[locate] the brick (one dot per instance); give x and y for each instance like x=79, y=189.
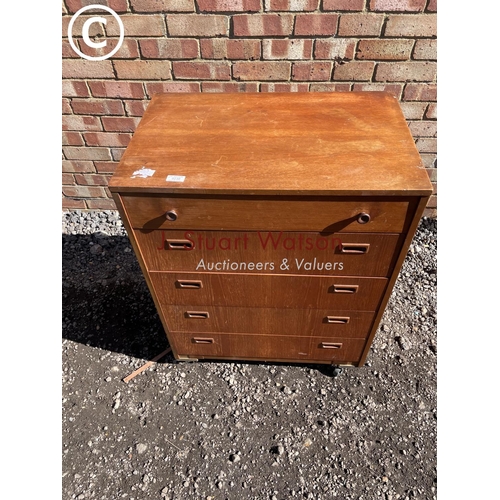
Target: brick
x=97, y=107
x=291, y=5
x=287, y=49
x=106, y=139
x=169, y=48
x=70, y=204
x=84, y=192
x=101, y=204
x=128, y=49
x=430, y=212
x=431, y=112
x=395, y=50
x=197, y=25
x=96, y=29
x=330, y=87
x=426, y=145
x=67, y=50
x=229, y=87
x=312, y=71
x=395, y=89
x=119, y=124
x=263, y=24
x=434, y=188
x=284, y=87
x=136, y=108
x=360, y=24
x=138, y=25
x=72, y=122
x=68, y=179
x=91, y=179
x=429, y=161
x=432, y=6
x=202, y=70
x=405, y=72
x=143, y=70
x=229, y=5
x=334, y=48
x=117, y=153
x=420, y=92
x=423, y=129
x=355, y=71
x=397, y=5
x=105, y=167
x=341, y=5
x=413, y=110
x=81, y=68
x=74, y=88
x=261, y=70
x=432, y=203
x=162, y=5
x=419, y=25
x=316, y=24
x=66, y=107
x=425, y=49
x=72, y=139
x=77, y=166
x=117, y=5
x=161, y=88
x=431, y=172
x=131, y=90
x=222, y=48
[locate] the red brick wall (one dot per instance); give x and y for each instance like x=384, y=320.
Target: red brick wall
x=237, y=46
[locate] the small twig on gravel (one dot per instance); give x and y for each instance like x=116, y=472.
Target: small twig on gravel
x=170, y=442
x=128, y=378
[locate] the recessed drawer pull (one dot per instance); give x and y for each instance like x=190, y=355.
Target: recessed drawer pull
x=197, y=314
x=330, y=345
x=358, y=248
x=188, y=284
x=345, y=288
x=200, y=340
x=338, y=320
x=179, y=244
x=363, y=218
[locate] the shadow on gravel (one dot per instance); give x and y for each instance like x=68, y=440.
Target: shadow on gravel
x=106, y=302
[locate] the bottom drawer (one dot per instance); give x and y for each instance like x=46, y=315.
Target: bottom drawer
x=272, y=347
x=269, y=321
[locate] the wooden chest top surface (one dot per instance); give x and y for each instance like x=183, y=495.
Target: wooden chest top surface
x=344, y=143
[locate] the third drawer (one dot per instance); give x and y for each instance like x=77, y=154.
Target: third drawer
x=269, y=290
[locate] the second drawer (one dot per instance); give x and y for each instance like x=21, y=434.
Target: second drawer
x=269, y=290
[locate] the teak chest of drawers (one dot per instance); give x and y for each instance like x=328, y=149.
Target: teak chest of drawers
x=271, y=226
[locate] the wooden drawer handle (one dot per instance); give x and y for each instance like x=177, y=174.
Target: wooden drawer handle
x=363, y=218
x=179, y=244
x=197, y=314
x=171, y=215
x=357, y=248
x=201, y=340
x=345, y=288
x=338, y=320
x=188, y=284
x=330, y=345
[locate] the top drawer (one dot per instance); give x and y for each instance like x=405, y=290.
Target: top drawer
x=323, y=214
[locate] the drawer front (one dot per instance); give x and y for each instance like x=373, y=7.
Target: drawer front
x=267, y=214
x=271, y=290
x=348, y=254
x=267, y=321
x=268, y=348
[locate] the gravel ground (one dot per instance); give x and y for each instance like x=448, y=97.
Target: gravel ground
x=215, y=430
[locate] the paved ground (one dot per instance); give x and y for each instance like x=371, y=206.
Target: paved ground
x=237, y=430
